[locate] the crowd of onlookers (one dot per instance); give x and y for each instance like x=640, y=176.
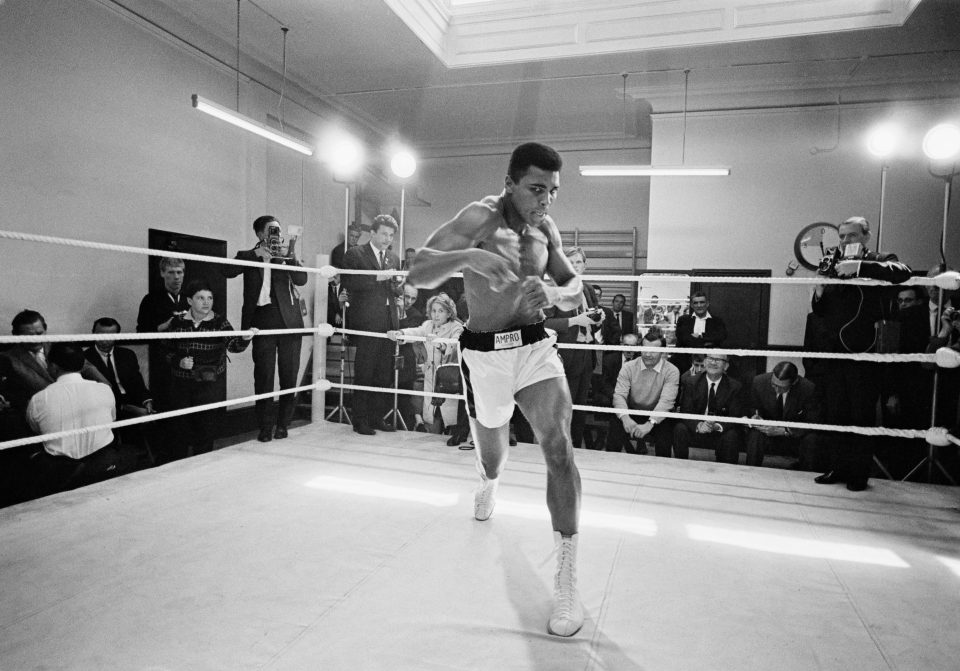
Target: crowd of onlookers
x=842, y=319
x=46, y=388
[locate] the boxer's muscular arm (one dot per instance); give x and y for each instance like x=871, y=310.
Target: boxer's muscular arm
x=567, y=294
x=451, y=248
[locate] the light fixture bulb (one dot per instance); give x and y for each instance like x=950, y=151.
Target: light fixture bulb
x=403, y=164
x=942, y=142
x=883, y=139
x=344, y=154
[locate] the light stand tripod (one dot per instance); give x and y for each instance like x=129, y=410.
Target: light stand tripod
x=931, y=457
x=341, y=410
x=394, y=414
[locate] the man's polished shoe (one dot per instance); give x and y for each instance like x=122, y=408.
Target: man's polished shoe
x=364, y=430
x=280, y=432
x=384, y=425
x=828, y=478
x=857, y=485
x=265, y=435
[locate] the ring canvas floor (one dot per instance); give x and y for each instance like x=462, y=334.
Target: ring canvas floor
x=331, y=550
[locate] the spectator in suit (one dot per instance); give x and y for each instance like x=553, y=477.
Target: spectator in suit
x=626, y=320
x=783, y=395
x=699, y=329
x=121, y=368
x=71, y=402
x=610, y=332
x=580, y=325
x=373, y=308
x=844, y=320
x=697, y=366
x=158, y=309
x=197, y=365
x=271, y=301
x=714, y=393
x=353, y=237
x=408, y=255
x=647, y=382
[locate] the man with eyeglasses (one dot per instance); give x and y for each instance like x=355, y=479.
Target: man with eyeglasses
x=784, y=395
x=716, y=394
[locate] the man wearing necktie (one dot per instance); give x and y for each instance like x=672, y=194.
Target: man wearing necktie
x=713, y=393
x=783, y=394
x=271, y=301
x=373, y=307
x=122, y=370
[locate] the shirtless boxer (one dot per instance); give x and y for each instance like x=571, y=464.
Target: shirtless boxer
x=504, y=245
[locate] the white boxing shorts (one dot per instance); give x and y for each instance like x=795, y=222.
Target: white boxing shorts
x=498, y=364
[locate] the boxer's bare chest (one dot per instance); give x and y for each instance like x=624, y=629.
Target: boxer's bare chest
x=526, y=248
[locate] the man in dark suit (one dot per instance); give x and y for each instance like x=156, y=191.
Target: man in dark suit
x=158, y=309
x=121, y=368
x=624, y=319
x=715, y=393
x=373, y=307
x=844, y=320
x=580, y=325
x=700, y=329
x=271, y=301
x=783, y=394
x=353, y=237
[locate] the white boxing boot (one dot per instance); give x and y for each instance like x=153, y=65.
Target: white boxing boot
x=484, y=498
x=567, y=615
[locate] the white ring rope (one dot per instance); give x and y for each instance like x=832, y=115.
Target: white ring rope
x=319, y=385
x=948, y=280
x=321, y=330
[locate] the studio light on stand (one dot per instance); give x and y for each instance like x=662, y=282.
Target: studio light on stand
x=882, y=142
x=681, y=170
x=941, y=145
x=403, y=165
x=344, y=155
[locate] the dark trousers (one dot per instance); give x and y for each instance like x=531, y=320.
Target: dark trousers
x=578, y=368
x=274, y=353
x=851, y=390
x=373, y=367
x=197, y=428
x=726, y=444
x=57, y=473
x=660, y=434
x=805, y=447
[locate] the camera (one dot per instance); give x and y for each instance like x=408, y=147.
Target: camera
x=828, y=264
x=595, y=314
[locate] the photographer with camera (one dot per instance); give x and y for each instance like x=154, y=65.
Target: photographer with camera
x=581, y=325
x=847, y=318
x=271, y=301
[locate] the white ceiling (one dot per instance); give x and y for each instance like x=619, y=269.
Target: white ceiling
x=363, y=57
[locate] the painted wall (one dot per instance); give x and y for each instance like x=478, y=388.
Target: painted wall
x=101, y=143
x=789, y=168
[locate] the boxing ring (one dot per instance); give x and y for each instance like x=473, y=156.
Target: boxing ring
x=332, y=550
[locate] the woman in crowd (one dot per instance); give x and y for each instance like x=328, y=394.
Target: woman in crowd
x=197, y=366
x=443, y=323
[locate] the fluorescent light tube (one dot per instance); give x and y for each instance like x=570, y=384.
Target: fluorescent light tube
x=240, y=121
x=650, y=171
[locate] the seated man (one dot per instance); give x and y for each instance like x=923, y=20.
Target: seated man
x=783, y=395
x=687, y=377
x=121, y=368
x=715, y=393
x=25, y=370
x=648, y=382
x=72, y=403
